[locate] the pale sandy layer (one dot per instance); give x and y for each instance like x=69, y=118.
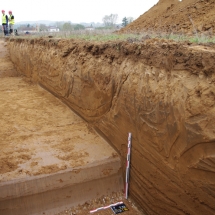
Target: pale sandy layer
x=39, y=134
x=50, y=159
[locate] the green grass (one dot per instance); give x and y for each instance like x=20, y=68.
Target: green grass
x=193, y=39
x=138, y=37
x=110, y=35
x=101, y=36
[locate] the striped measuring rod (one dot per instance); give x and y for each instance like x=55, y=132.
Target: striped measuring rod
x=108, y=206
x=128, y=166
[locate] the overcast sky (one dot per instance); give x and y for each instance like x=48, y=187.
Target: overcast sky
x=75, y=11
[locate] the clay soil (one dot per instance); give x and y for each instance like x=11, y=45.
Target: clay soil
x=38, y=132
x=163, y=91
x=186, y=16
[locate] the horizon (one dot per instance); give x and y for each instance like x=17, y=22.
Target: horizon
x=82, y=11
x=62, y=21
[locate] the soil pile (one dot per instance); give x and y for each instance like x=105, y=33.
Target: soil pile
x=162, y=92
x=174, y=16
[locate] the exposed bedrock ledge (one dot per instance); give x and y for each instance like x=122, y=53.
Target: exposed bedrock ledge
x=163, y=93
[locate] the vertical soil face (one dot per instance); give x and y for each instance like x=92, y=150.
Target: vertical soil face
x=163, y=93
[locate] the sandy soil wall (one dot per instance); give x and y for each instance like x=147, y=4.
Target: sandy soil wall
x=162, y=92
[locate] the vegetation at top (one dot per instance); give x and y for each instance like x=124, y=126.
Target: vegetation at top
x=109, y=31
x=110, y=35
x=104, y=35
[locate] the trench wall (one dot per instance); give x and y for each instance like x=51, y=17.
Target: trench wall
x=163, y=93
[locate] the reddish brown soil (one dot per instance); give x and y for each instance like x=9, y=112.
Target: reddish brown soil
x=176, y=16
x=41, y=135
x=161, y=91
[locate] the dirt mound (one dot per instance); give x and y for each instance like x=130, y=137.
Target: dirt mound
x=177, y=16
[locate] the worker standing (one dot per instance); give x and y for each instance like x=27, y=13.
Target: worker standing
x=4, y=23
x=11, y=23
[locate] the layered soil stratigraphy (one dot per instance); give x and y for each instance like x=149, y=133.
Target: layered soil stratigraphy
x=39, y=134
x=50, y=159
x=174, y=16
x=161, y=92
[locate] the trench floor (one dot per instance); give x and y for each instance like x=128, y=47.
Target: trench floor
x=39, y=134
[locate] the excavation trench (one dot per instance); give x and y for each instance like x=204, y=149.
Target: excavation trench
x=162, y=92
x=50, y=158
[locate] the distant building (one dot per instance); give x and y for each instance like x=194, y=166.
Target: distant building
x=28, y=29
x=53, y=29
x=89, y=28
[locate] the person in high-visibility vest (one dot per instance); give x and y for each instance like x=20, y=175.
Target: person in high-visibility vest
x=4, y=23
x=11, y=22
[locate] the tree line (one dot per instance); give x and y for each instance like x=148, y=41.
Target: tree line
x=109, y=21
